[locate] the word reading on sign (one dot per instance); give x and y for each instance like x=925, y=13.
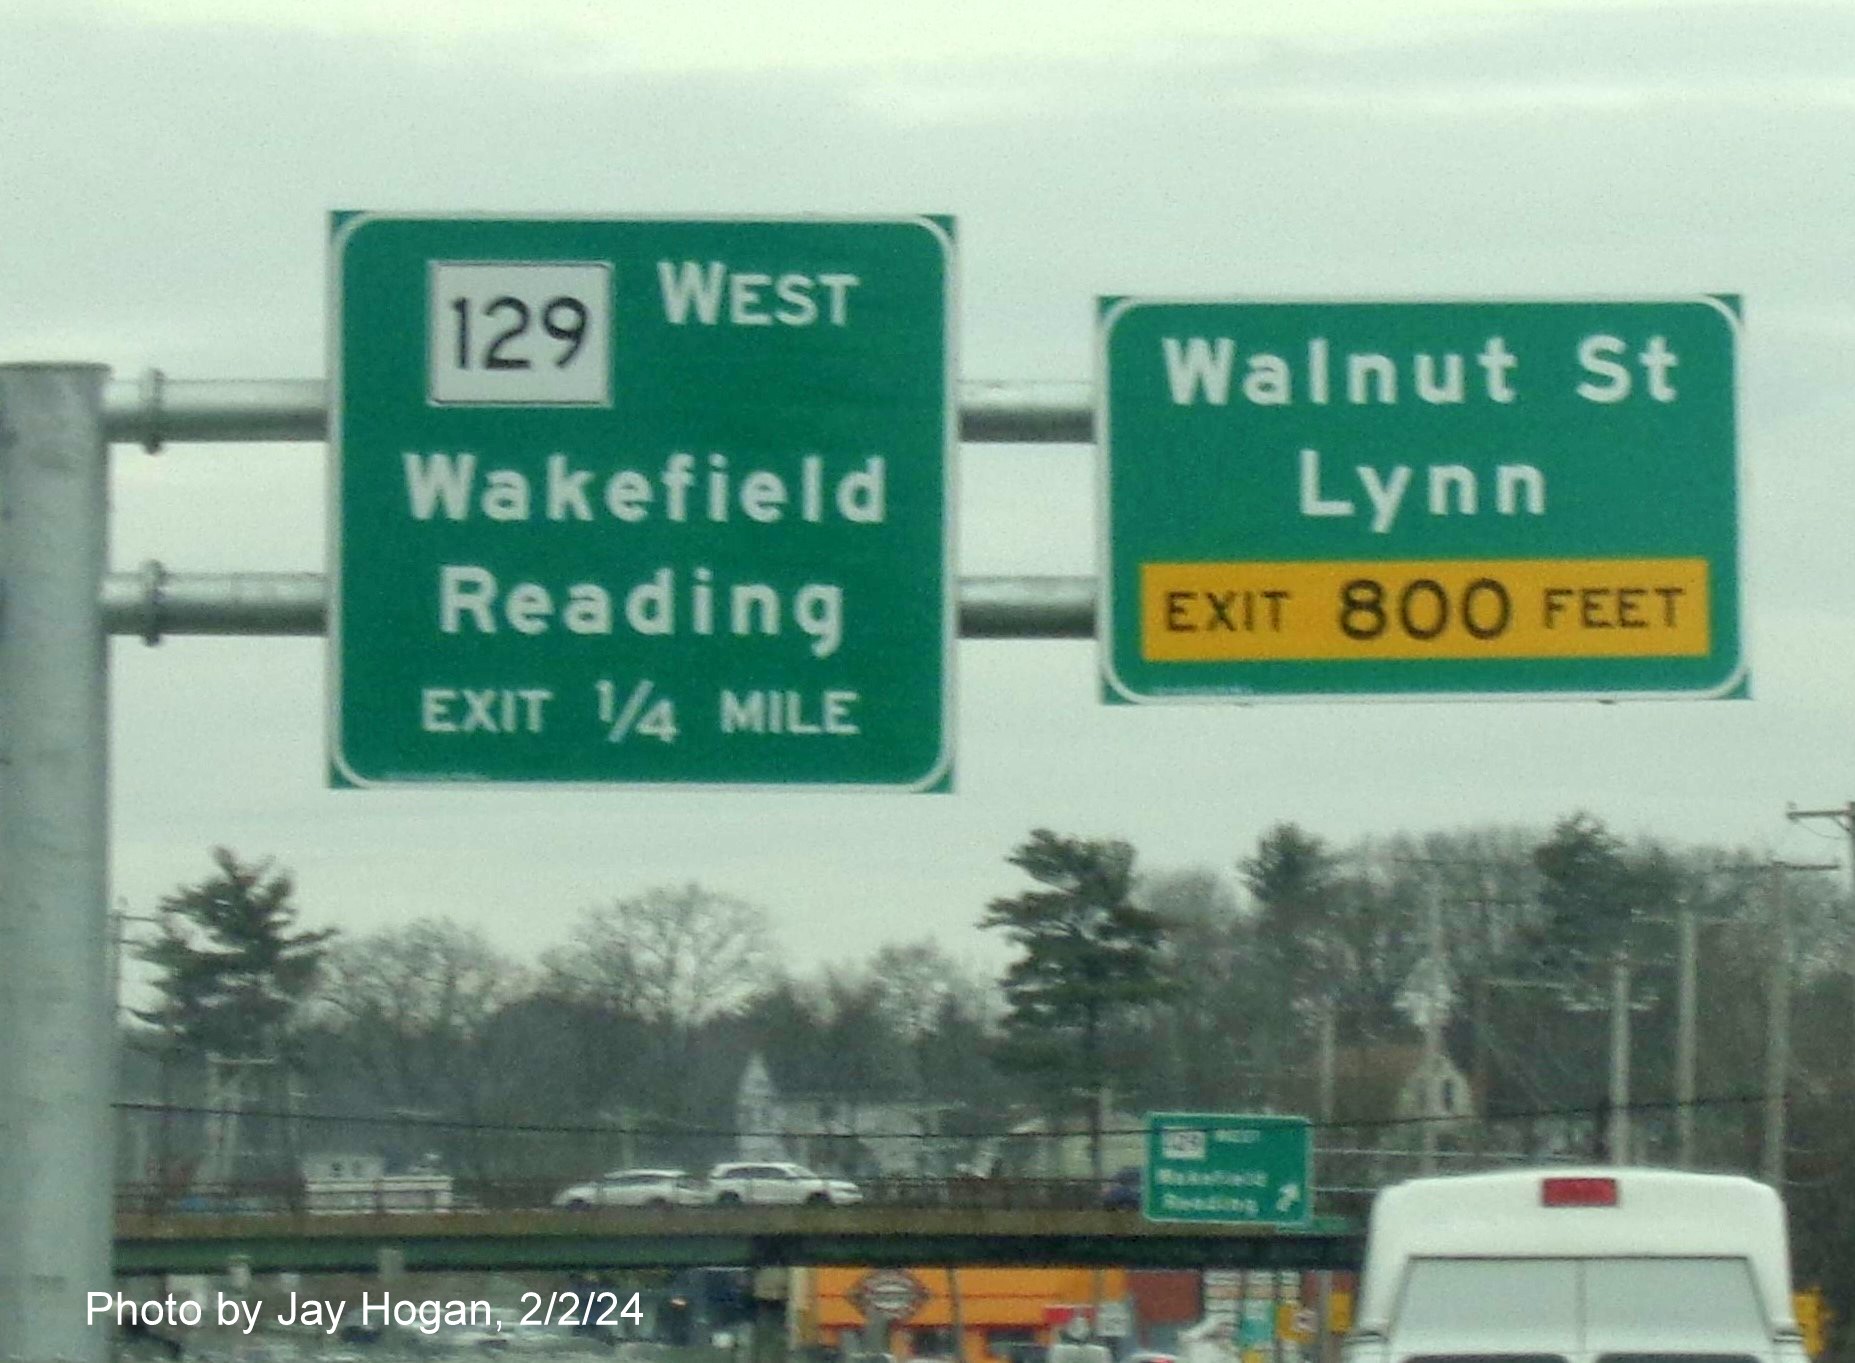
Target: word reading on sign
x=1511, y=608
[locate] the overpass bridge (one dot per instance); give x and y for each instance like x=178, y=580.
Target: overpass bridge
x=645, y=1237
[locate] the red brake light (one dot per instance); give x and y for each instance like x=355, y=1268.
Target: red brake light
x=1578, y=1192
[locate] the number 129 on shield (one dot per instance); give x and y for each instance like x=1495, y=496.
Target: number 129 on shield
x=519, y=333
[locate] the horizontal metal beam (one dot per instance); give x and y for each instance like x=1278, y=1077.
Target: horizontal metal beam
x=155, y=603
x=155, y=410
x=1027, y=413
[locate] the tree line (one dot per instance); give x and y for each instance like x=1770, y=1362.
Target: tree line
x=1303, y=978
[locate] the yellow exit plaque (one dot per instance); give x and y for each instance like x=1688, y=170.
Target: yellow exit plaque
x=1491, y=608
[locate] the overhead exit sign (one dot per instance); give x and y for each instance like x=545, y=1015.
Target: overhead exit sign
x=641, y=502
x=1380, y=499
x=1229, y=1167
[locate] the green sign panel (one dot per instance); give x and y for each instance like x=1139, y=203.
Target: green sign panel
x=1500, y=499
x=1221, y=1166
x=653, y=503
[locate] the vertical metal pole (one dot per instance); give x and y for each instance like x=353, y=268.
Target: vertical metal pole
x=1478, y=1061
x=1619, y=1134
x=877, y=1328
x=956, y=1315
x=1844, y=818
x=1685, y=1052
x=58, y=1021
x=1848, y=827
x=1275, y=1317
x=1432, y=1041
x=1323, y=1318
x=1329, y=1027
x=770, y=1289
x=1778, y=1030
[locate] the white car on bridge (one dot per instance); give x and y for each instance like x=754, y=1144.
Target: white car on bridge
x=778, y=1185
x=634, y=1188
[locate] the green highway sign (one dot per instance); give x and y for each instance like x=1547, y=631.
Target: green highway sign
x=1220, y=1166
x=641, y=502
x=1479, y=499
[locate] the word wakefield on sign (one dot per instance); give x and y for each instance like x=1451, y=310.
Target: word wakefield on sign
x=655, y=503
x=470, y=597
x=1313, y=500
x=448, y=486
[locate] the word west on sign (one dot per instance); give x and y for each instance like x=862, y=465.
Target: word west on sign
x=652, y=503
x=1314, y=500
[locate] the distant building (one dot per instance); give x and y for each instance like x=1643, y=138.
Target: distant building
x=758, y=1116
x=336, y=1164
x=1038, y=1148
x=838, y=1135
x=1436, y=1087
x=1008, y=1315
x=1380, y=1093
x=351, y=1181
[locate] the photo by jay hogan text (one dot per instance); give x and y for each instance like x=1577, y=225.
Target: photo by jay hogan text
x=588, y=1310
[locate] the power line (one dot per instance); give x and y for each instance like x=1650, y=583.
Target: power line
x=580, y=1129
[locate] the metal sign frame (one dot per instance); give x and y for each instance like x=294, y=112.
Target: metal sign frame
x=1261, y=534
x=886, y=752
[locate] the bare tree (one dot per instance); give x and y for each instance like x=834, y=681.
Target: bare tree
x=918, y=982
x=413, y=1024
x=1207, y=1019
x=675, y=958
x=415, y=1006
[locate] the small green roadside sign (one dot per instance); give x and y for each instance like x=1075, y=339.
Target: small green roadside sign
x=1229, y=1167
x=1311, y=500
x=653, y=503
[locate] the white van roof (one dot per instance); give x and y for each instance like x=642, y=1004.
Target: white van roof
x=1659, y=1213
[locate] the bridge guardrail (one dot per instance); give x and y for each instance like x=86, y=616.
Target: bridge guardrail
x=527, y=1193
x=532, y=1194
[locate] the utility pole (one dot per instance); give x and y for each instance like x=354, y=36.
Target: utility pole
x=1778, y=1018
x=1436, y=984
x=1325, y=1059
x=119, y=938
x=1686, y=1051
x=1843, y=818
x=1778, y=1035
x=1617, y=1138
x=133, y=1131
x=1687, y=923
x=1619, y=1129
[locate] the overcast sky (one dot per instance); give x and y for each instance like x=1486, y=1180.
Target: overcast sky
x=168, y=167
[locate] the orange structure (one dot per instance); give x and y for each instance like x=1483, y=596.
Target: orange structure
x=999, y=1308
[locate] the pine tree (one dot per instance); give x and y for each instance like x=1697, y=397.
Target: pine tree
x=1089, y=954
x=233, y=972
